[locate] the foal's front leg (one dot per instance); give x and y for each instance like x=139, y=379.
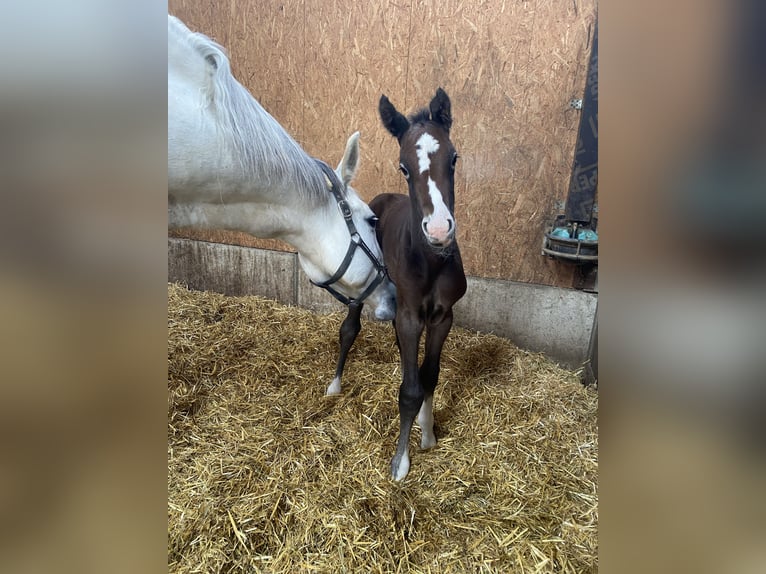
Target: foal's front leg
x=436, y=334
x=408, y=330
x=349, y=329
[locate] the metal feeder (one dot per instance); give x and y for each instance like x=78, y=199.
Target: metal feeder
x=572, y=241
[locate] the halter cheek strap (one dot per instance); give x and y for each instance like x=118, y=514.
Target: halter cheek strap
x=356, y=241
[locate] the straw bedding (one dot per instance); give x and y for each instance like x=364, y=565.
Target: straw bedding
x=266, y=474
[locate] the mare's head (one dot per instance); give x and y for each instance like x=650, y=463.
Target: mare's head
x=427, y=161
x=358, y=278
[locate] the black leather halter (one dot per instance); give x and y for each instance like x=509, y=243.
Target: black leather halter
x=356, y=241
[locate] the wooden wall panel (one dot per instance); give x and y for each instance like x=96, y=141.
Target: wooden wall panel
x=510, y=68
x=358, y=51
x=264, y=41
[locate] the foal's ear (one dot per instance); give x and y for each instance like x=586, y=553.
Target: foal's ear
x=349, y=165
x=394, y=122
x=441, y=109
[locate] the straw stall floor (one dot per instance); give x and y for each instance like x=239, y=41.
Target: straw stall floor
x=266, y=474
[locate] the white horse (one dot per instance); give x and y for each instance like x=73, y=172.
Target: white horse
x=232, y=166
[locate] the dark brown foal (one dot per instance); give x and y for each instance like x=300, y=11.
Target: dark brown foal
x=417, y=236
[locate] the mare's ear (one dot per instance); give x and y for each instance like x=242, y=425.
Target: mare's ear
x=441, y=109
x=349, y=165
x=394, y=122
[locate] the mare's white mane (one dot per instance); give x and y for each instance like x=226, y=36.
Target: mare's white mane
x=266, y=152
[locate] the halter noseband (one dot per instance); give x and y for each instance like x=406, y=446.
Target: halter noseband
x=356, y=241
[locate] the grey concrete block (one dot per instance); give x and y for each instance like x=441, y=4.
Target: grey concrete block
x=551, y=320
x=232, y=270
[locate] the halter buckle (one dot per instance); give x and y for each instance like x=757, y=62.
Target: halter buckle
x=345, y=209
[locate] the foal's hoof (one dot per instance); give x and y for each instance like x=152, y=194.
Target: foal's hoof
x=334, y=388
x=400, y=466
x=428, y=440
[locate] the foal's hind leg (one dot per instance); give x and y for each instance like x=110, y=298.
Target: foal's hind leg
x=349, y=329
x=436, y=334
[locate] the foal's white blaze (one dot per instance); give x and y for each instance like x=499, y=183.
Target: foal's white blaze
x=439, y=225
x=425, y=146
x=426, y=422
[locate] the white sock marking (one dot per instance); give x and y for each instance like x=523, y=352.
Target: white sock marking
x=334, y=388
x=404, y=467
x=426, y=423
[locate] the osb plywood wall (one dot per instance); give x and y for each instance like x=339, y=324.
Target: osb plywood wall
x=509, y=66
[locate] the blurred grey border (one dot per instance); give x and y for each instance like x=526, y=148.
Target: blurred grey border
x=83, y=286
x=682, y=272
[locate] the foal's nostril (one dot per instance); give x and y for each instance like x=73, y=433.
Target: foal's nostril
x=450, y=225
x=424, y=224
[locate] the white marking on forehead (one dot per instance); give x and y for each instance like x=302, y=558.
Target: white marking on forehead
x=425, y=146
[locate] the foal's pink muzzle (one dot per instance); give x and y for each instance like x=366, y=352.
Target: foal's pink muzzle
x=439, y=231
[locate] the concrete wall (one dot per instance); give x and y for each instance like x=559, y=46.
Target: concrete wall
x=556, y=321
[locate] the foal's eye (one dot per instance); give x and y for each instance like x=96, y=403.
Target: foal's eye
x=454, y=159
x=404, y=171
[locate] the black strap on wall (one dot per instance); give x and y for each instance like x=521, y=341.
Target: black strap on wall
x=584, y=180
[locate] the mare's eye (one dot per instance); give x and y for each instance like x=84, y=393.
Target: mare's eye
x=372, y=220
x=454, y=159
x=404, y=171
